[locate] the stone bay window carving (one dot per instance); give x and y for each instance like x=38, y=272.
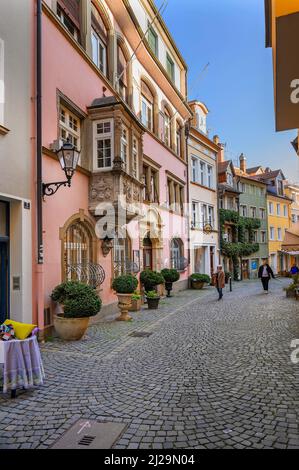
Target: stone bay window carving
x=116, y=156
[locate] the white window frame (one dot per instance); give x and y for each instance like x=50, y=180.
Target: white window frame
x=263, y=236
x=194, y=168
x=167, y=129
x=271, y=208
x=243, y=212
x=135, y=160
x=253, y=213
x=144, y=119
x=211, y=215
x=104, y=136
x=210, y=176
x=195, y=213
x=65, y=126
x=285, y=210
x=202, y=172
x=272, y=233
x=96, y=53
x=278, y=209
x=124, y=147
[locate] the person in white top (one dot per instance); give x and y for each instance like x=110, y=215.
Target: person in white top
x=265, y=274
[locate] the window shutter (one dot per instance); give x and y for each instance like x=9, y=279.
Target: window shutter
x=98, y=24
x=72, y=9
x=161, y=125
x=121, y=66
x=145, y=91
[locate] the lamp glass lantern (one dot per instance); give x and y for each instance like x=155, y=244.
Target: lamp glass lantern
x=68, y=157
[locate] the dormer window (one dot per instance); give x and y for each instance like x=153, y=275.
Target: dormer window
x=230, y=180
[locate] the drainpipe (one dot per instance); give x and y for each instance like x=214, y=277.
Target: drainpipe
x=188, y=188
x=39, y=195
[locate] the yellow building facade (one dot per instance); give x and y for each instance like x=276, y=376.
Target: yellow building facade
x=279, y=221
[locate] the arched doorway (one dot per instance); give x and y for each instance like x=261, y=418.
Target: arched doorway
x=147, y=252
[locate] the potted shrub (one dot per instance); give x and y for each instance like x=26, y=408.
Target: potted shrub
x=199, y=280
x=124, y=286
x=135, y=302
x=151, y=279
x=79, y=302
x=170, y=276
x=152, y=299
x=291, y=289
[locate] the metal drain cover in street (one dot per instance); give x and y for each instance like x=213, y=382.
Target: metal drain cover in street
x=188, y=399
x=140, y=334
x=86, y=434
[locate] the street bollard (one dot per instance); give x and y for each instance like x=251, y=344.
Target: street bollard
x=230, y=284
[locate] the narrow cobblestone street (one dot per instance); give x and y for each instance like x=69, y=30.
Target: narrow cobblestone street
x=211, y=375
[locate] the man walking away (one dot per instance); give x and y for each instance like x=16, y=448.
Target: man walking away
x=219, y=281
x=265, y=274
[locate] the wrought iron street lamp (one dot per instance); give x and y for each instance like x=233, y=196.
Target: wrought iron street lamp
x=68, y=157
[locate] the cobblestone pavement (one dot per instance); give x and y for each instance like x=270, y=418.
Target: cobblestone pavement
x=212, y=375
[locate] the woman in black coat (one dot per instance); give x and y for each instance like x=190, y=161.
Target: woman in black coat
x=265, y=274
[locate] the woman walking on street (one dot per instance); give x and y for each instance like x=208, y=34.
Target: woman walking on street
x=265, y=274
x=219, y=281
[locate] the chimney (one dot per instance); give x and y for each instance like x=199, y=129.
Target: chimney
x=220, y=155
x=243, y=166
x=216, y=139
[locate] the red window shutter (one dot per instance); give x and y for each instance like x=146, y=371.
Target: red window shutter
x=72, y=9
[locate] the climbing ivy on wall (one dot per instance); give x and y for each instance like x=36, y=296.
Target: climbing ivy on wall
x=239, y=247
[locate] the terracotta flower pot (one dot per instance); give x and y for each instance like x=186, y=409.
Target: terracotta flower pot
x=135, y=305
x=124, y=303
x=197, y=284
x=70, y=329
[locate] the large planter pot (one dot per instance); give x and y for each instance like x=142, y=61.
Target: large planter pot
x=197, y=284
x=168, y=287
x=124, y=304
x=153, y=304
x=135, y=305
x=70, y=329
x=291, y=293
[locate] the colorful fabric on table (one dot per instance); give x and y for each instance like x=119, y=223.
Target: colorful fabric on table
x=7, y=332
x=22, y=330
x=23, y=365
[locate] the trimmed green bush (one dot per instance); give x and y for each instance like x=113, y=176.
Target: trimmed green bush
x=151, y=279
x=196, y=277
x=78, y=299
x=170, y=275
x=152, y=294
x=125, y=284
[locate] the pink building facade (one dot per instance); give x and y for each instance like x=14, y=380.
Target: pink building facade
x=114, y=84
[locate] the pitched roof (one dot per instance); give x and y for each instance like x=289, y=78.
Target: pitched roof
x=254, y=169
x=223, y=166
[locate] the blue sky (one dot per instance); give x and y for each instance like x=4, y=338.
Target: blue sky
x=238, y=85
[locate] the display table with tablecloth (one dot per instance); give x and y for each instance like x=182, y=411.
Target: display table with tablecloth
x=22, y=364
